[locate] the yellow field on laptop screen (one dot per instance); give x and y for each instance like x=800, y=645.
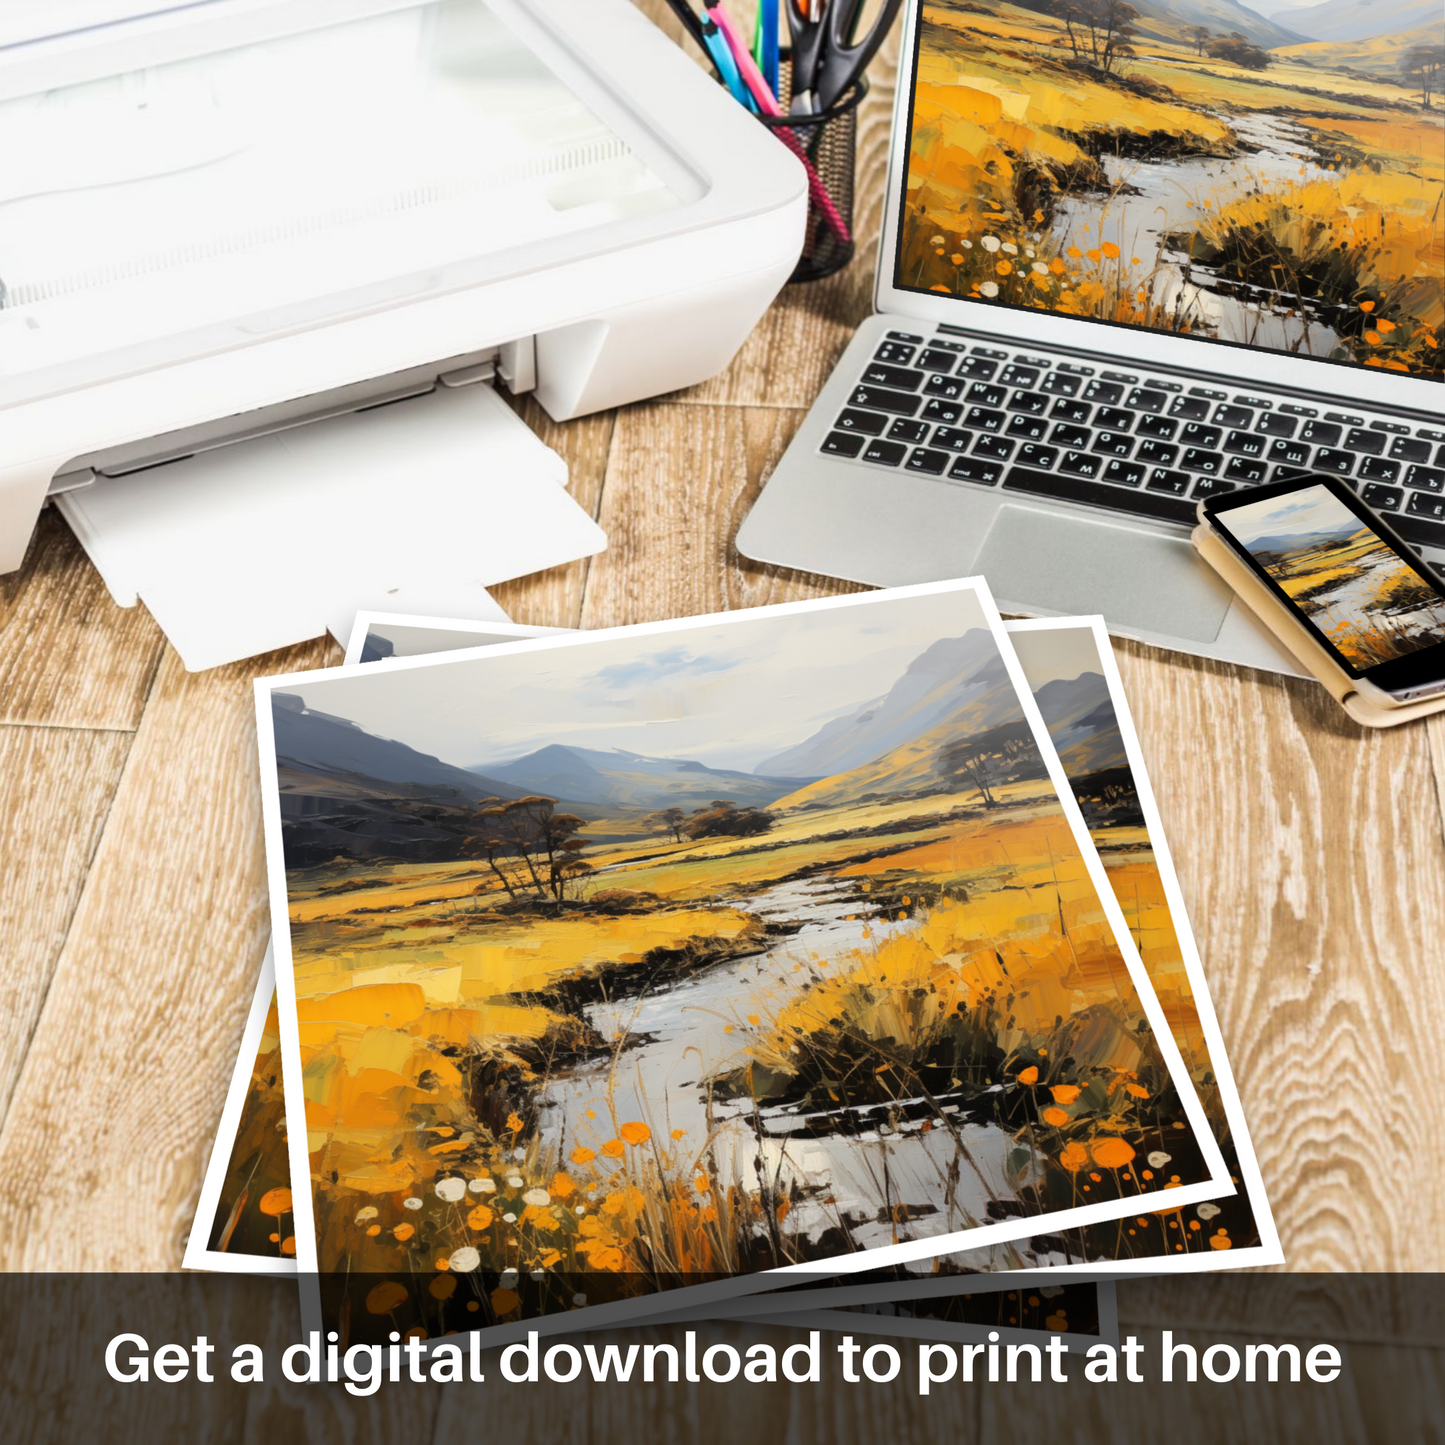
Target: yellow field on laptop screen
x=1155, y=167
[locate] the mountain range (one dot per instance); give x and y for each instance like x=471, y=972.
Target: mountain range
x=1220, y=16
x=1080, y=717
x=958, y=687
x=1293, y=542
x=625, y=779
x=1359, y=19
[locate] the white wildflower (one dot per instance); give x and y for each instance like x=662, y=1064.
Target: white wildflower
x=1207, y=1211
x=370, y=1212
x=483, y=1186
x=507, y=1279
x=989, y=243
x=464, y=1260
x=510, y=1218
x=1158, y=1159
x=989, y=288
x=1040, y=268
x=451, y=1190
x=514, y=1181
x=412, y=1203
x=538, y=1197
x=1010, y=248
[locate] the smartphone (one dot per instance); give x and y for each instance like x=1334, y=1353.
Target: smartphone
x=1340, y=569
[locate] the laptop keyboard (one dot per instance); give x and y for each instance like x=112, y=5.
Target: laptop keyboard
x=1142, y=443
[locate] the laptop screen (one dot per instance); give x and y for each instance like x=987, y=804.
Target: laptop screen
x=1274, y=183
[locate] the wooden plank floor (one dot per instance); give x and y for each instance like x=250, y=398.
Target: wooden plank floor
x=132, y=903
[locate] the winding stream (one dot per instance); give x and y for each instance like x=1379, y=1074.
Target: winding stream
x=1171, y=194
x=699, y=1028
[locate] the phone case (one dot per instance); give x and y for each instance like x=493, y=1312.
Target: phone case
x=1296, y=637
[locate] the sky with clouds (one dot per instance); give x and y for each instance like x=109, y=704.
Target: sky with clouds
x=1296, y=514
x=728, y=693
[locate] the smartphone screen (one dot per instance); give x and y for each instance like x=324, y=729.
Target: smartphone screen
x=1342, y=571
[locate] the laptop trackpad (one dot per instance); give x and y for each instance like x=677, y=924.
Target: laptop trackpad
x=1072, y=565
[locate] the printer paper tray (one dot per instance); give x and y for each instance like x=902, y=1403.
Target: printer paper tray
x=417, y=506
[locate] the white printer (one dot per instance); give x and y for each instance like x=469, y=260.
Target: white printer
x=226, y=223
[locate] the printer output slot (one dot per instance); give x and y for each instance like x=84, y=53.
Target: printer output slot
x=513, y=362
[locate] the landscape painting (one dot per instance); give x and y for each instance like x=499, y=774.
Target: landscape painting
x=692, y=951
x=1369, y=603
x=1193, y=166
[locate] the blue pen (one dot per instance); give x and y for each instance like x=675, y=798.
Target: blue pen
x=768, y=60
x=727, y=67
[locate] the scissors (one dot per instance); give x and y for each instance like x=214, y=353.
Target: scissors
x=827, y=54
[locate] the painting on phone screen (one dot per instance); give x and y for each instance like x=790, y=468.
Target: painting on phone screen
x=1267, y=174
x=1339, y=573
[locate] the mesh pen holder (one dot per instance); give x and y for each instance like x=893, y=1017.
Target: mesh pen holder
x=826, y=143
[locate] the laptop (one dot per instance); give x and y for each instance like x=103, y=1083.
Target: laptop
x=1107, y=292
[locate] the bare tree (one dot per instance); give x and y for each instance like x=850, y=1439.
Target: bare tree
x=673, y=819
x=1200, y=35
x=1422, y=67
x=1099, y=32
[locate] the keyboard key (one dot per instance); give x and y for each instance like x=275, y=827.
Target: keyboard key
x=981, y=419
x=1212, y=486
x=1272, y=424
x=1106, y=391
x=1421, y=505
x=1200, y=436
x=1418, y=531
x=1243, y=469
x=1035, y=403
x=935, y=360
x=877, y=374
x=971, y=469
x=1016, y=375
x=1440, y=457
x=1208, y=393
x=923, y=459
x=1372, y=443
x=843, y=444
x=1060, y=383
x=955, y=439
x=1408, y=449
x=1382, y=499
x=1156, y=454
x=895, y=353
x=945, y=411
x=1321, y=433
x=1344, y=418
x=1395, y=428
x=1112, y=444
x=1189, y=408
x=1114, y=418
x=1253, y=401
x=1064, y=410
x=905, y=336
x=985, y=395
x=886, y=454
x=1293, y=410
x=995, y=448
x=1163, y=480
x=1377, y=469
x=877, y=398
x=1290, y=454
x=1430, y=434
x=904, y=430
x=1127, y=377
x=1101, y=494
x=1032, y=428
x=1124, y=474
x=1332, y=459
x=1071, y=436
x=979, y=368
x=988, y=351
x=1076, y=370
x=1144, y=398
x=1041, y=457
x=867, y=422
x=1156, y=426
x=1081, y=464
x=1235, y=416
x=1196, y=459
x=1425, y=479
x=1244, y=444
x=948, y=387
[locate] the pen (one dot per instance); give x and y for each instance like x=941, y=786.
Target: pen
x=766, y=51
x=724, y=57
x=690, y=22
x=767, y=103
